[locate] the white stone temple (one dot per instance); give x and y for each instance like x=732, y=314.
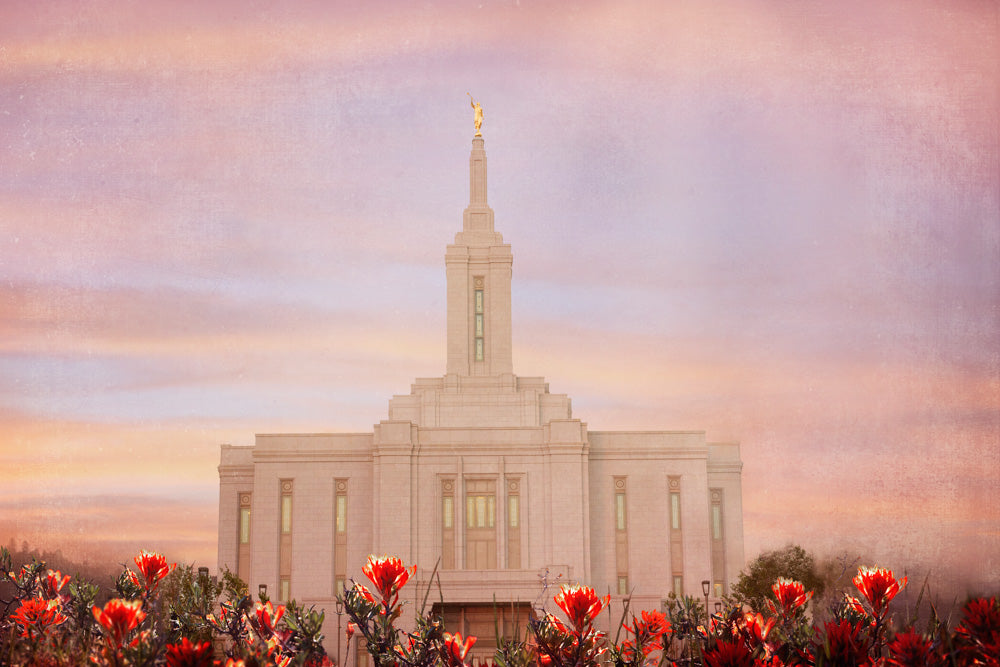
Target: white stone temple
x=487, y=475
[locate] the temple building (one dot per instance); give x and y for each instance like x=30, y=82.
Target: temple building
x=488, y=476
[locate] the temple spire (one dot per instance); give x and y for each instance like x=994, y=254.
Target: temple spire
x=478, y=269
x=477, y=174
x=478, y=215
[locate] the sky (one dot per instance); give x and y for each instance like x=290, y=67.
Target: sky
x=777, y=222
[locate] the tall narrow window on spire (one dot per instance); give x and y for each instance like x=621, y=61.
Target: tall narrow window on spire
x=480, y=315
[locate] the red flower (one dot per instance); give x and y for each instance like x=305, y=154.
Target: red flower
x=388, y=574
x=365, y=593
x=980, y=618
x=910, y=649
x=153, y=568
x=855, y=605
x=455, y=649
x=756, y=629
x=351, y=629
x=879, y=587
x=773, y=661
x=845, y=644
x=53, y=583
x=35, y=616
x=648, y=633
x=654, y=623
x=581, y=605
x=319, y=661
x=119, y=618
x=557, y=625
x=979, y=633
x=188, y=654
x=268, y=616
x=790, y=596
x=729, y=654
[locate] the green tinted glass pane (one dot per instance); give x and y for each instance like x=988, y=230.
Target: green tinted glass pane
x=341, y=514
x=286, y=514
x=448, y=511
x=244, y=525
x=481, y=511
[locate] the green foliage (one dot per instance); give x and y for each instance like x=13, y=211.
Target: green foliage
x=185, y=600
x=234, y=587
x=307, y=628
x=793, y=562
x=685, y=615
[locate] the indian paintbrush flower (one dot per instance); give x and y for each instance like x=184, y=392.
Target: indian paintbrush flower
x=119, y=618
x=648, y=634
x=268, y=616
x=729, y=654
x=35, y=616
x=388, y=574
x=910, y=649
x=189, y=654
x=790, y=595
x=581, y=605
x=153, y=569
x=455, y=649
x=878, y=586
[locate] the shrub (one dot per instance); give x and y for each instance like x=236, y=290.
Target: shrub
x=162, y=614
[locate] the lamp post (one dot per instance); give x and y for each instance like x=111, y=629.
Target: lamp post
x=705, y=586
x=262, y=592
x=340, y=610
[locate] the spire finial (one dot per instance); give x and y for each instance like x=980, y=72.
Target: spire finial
x=479, y=114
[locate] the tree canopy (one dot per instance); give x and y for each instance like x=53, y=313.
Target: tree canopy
x=792, y=562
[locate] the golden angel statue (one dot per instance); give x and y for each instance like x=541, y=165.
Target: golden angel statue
x=479, y=115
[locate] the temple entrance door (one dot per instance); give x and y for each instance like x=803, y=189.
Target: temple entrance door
x=483, y=620
x=480, y=525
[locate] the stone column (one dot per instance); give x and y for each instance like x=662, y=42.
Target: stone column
x=393, y=489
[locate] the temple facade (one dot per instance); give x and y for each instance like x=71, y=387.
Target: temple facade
x=486, y=476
